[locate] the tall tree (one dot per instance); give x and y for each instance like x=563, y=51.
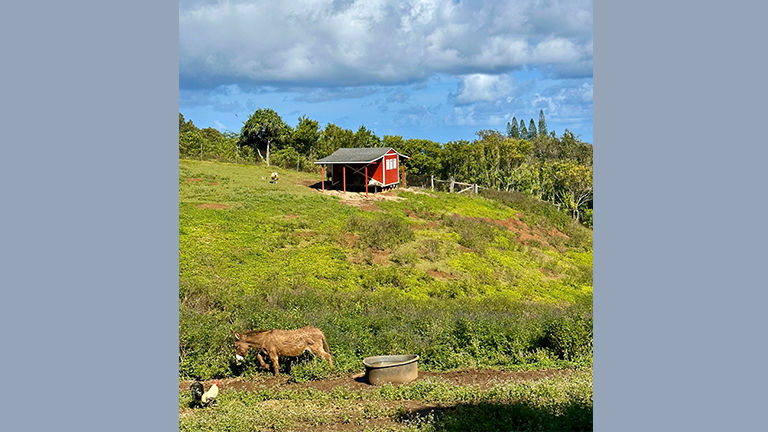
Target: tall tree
x=532, y=130
x=306, y=135
x=332, y=138
x=512, y=129
x=365, y=138
x=262, y=129
x=523, y=130
x=542, y=124
x=186, y=126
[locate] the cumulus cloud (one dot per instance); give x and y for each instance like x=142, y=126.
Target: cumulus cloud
x=370, y=42
x=483, y=87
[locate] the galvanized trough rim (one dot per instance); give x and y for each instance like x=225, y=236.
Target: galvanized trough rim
x=392, y=360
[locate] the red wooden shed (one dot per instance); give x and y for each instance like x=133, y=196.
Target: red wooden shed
x=363, y=167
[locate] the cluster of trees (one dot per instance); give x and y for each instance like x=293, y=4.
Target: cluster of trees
x=520, y=131
x=529, y=159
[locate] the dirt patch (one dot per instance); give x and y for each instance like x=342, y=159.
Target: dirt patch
x=440, y=275
x=554, y=232
x=525, y=234
x=483, y=378
x=359, y=200
x=381, y=256
x=410, y=213
x=368, y=207
x=291, y=216
x=348, y=239
x=549, y=273
x=213, y=183
x=213, y=206
x=304, y=234
x=193, y=179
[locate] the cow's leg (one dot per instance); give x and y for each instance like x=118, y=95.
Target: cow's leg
x=275, y=365
x=261, y=361
x=318, y=350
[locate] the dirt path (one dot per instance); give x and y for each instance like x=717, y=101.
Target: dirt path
x=484, y=378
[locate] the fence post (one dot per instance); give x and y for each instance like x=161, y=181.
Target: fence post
x=452, y=183
x=432, y=181
x=475, y=189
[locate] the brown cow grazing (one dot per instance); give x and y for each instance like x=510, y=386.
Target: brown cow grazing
x=276, y=343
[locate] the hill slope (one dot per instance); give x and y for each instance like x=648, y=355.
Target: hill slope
x=464, y=281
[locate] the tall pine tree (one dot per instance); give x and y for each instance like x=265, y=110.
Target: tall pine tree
x=523, y=131
x=512, y=129
x=542, y=124
x=532, y=130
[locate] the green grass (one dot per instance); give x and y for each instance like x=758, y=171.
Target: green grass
x=433, y=404
x=439, y=275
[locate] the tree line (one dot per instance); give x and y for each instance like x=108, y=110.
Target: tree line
x=528, y=159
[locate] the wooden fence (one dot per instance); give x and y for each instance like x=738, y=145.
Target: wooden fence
x=454, y=186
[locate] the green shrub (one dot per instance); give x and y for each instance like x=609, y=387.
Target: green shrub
x=474, y=234
x=380, y=231
x=310, y=370
x=569, y=337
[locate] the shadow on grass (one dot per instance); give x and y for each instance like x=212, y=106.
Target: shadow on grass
x=516, y=416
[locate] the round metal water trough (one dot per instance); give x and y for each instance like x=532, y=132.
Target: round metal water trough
x=395, y=369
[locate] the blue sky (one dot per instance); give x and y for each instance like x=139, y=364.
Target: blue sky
x=434, y=69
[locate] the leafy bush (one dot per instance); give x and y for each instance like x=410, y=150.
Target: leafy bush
x=380, y=231
x=569, y=338
x=314, y=369
x=474, y=234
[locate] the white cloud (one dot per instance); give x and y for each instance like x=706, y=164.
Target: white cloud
x=366, y=42
x=482, y=87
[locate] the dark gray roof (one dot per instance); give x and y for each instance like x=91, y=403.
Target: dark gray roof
x=356, y=155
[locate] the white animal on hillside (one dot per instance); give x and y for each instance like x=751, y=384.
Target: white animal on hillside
x=274, y=177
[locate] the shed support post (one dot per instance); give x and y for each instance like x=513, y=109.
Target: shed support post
x=366, y=181
x=322, y=178
x=344, y=177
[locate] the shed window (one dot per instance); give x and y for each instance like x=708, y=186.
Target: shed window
x=391, y=164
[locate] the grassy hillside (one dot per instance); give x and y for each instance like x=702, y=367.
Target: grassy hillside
x=498, y=281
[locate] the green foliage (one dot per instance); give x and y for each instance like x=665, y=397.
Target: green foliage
x=512, y=130
x=380, y=231
x=186, y=126
x=306, y=136
x=532, y=130
x=473, y=234
x=455, y=287
x=314, y=369
x=333, y=138
x=524, y=160
x=542, y=124
x=569, y=338
x=263, y=129
x=365, y=138
x=558, y=403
